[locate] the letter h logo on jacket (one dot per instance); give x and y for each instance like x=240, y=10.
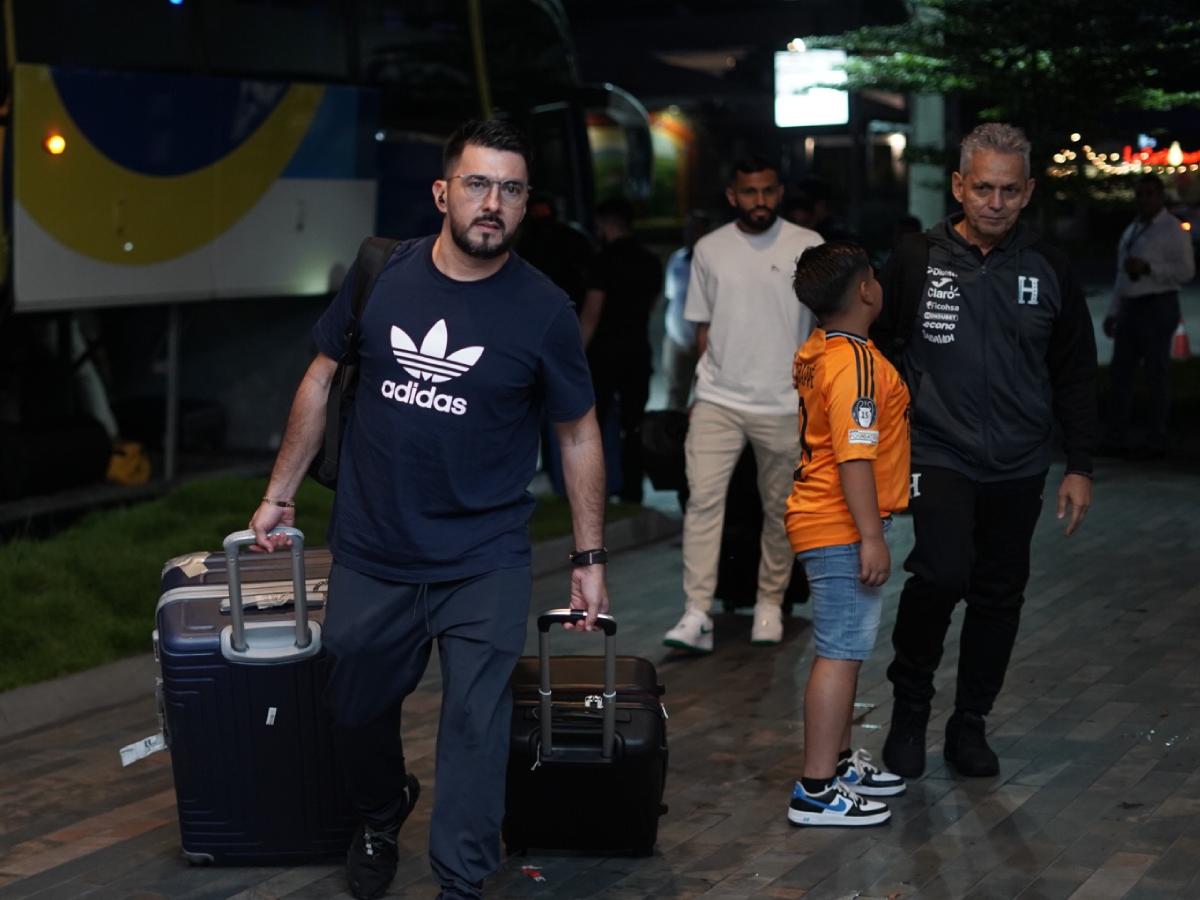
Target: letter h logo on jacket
x=1027, y=290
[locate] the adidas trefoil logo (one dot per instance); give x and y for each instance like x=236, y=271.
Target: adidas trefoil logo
x=431, y=363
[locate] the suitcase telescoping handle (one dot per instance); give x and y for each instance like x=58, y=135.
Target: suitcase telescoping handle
x=609, y=624
x=233, y=545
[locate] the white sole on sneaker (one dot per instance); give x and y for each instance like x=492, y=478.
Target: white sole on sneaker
x=680, y=645
x=894, y=791
x=800, y=817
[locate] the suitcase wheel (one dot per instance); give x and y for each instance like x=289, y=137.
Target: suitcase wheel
x=198, y=859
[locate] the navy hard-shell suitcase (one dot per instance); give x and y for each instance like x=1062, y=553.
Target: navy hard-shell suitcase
x=588, y=753
x=241, y=696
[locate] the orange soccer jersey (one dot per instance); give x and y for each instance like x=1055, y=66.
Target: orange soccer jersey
x=853, y=405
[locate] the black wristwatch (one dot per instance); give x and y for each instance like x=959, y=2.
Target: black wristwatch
x=597, y=557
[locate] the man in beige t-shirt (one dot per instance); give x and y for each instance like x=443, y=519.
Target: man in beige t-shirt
x=749, y=325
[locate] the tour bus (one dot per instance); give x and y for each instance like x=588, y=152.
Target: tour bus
x=165, y=150
x=162, y=155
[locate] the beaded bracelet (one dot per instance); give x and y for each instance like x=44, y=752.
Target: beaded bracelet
x=275, y=501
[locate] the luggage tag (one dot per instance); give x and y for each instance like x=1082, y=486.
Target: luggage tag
x=143, y=748
x=271, y=600
x=148, y=746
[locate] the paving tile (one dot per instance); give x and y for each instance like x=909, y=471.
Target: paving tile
x=1098, y=729
x=1114, y=879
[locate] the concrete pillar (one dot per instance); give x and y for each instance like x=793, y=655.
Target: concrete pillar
x=927, y=183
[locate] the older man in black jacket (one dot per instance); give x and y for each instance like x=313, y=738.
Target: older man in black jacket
x=991, y=331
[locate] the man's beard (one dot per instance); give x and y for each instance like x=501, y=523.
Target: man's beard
x=497, y=246
x=746, y=217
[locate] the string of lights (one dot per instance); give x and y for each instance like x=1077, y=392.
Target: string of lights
x=1171, y=161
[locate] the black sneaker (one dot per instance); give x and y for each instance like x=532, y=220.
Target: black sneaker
x=904, y=749
x=836, y=805
x=373, y=856
x=967, y=748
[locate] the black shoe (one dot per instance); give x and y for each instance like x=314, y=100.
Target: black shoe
x=967, y=748
x=373, y=856
x=904, y=749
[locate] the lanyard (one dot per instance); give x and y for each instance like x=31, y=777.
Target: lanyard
x=1139, y=229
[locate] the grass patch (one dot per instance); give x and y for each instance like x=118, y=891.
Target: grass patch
x=86, y=596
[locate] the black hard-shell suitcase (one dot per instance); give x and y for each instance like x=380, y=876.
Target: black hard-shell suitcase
x=664, y=435
x=588, y=757
x=241, y=697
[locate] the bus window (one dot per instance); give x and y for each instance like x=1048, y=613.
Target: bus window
x=406, y=43
x=152, y=35
x=304, y=40
x=555, y=131
x=530, y=53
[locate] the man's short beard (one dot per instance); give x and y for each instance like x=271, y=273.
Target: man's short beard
x=745, y=216
x=478, y=249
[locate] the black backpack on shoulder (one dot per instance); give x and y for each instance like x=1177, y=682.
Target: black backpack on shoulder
x=373, y=255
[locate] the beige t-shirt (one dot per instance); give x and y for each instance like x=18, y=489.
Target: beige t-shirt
x=741, y=285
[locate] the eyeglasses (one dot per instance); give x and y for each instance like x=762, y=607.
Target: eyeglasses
x=479, y=187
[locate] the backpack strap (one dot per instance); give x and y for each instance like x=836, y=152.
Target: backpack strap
x=373, y=256
x=903, y=281
x=911, y=297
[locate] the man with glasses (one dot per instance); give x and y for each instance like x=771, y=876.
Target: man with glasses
x=1154, y=259
x=748, y=326
x=462, y=346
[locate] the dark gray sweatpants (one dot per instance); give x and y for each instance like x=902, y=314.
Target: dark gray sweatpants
x=380, y=634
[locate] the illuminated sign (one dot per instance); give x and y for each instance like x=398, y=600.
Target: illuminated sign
x=1172, y=160
x=1172, y=156
x=798, y=100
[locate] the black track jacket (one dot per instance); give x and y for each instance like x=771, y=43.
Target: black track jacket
x=996, y=349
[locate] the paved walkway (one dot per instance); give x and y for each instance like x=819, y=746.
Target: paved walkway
x=1098, y=730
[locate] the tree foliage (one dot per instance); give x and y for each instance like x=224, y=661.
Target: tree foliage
x=1051, y=66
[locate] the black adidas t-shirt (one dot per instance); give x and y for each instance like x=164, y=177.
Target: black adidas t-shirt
x=443, y=438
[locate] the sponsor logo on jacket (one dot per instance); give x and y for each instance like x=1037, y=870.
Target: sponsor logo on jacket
x=939, y=316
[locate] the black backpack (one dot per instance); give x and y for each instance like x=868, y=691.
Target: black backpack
x=373, y=256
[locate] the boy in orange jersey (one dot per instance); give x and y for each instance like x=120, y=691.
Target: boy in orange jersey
x=853, y=475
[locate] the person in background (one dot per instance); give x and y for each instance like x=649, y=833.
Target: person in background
x=748, y=326
x=1154, y=260
x=679, y=355
x=559, y=251
x=810, y=206
x=622, y=290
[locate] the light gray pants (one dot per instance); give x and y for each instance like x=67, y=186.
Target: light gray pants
x=716, y=437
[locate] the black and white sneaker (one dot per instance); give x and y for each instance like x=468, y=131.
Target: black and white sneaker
x=862, y=776
x=835, y=806
x=373, y=856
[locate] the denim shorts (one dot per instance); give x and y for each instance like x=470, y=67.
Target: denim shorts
x=845, y=611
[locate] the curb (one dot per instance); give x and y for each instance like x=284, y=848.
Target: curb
x=35, y=706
